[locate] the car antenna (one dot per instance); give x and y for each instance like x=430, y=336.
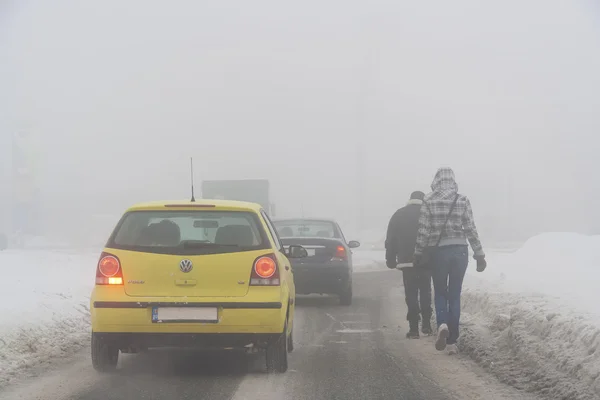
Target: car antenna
x=193, y=200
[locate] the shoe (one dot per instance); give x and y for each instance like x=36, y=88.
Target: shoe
x=413, y=331
x=412, y=335
x=452, y=349
x=442, y=336
x=426, y=328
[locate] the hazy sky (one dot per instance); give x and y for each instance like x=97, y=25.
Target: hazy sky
x=121, y=94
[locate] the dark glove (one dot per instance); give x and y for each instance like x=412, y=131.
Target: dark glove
x=481, y=263
x=391, y=264
x=417, y=260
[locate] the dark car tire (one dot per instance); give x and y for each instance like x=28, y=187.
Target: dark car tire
x=277, y=353
x=104, y=356
x=346, y=297
x=290, y=345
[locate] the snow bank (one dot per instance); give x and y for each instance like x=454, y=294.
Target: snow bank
x=45, y=307
x=532, y=317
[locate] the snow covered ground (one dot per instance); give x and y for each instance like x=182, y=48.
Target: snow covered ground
x=531, y=319
x=44, y=315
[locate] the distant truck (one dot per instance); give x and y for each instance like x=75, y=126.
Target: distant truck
x=251, y=190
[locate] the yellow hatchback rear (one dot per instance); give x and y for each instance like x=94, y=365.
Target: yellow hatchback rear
x=211, y=275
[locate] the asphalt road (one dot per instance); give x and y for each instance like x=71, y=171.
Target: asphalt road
x=355, y=352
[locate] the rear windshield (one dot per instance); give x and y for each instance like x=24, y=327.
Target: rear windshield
x=189, y=232
x=302, y=228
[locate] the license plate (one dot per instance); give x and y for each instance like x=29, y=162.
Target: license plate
x=185, y=314
x=311, y=252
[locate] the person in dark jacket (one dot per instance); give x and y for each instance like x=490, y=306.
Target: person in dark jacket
x=446, y=225
x=400, y=245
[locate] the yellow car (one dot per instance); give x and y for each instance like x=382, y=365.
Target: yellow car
x=208, y=274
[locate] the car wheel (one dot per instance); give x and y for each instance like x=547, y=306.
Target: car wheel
x=104, y=356
x=277, y=353
x=346, y=297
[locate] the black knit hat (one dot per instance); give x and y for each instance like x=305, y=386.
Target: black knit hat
x=417, y=195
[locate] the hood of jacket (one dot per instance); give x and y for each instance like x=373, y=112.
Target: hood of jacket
x=444, y=182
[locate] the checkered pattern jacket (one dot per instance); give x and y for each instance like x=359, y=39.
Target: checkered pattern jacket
x=461, y=225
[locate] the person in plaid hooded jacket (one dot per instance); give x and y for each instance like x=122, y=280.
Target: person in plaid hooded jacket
x=447, y=213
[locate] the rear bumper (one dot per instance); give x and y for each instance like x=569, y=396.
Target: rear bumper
x=135, y=342
x=322, y=279
x=233, y=318
x=262, y=311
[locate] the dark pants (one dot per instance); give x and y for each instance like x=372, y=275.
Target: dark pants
x=449, y=264
x=417, y=289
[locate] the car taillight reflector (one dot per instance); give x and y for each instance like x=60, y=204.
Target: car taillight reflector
x=265, y=272
x=264, y=282
x=109, y=270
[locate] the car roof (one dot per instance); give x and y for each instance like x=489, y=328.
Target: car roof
x=199, y=204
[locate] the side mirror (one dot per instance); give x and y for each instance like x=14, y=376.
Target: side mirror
x=353, y=244
x=295, y=251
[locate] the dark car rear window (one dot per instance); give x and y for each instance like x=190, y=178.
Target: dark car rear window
x=306, y=229
x=189, y=232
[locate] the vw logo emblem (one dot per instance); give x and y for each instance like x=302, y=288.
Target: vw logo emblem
x=186, y=265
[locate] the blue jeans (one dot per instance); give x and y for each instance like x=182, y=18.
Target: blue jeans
x=449, y=265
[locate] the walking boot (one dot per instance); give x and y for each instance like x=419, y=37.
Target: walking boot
x=442, y=336
x=413, y=332
x=426, y=327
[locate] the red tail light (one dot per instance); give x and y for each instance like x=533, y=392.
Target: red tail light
x=109, y=270
x=340, y=253
x=265, y=272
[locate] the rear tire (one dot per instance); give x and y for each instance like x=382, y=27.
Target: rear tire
x=104, y=357
x=346, y=297
x=277, y=353
x=290, y=346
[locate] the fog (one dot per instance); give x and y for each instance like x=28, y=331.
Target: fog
x=345, y=106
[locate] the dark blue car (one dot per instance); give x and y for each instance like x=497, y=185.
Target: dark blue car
x=328, y=267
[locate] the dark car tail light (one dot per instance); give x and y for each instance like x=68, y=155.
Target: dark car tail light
x=265, y=272
x=340, y=254
x=108, y=271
